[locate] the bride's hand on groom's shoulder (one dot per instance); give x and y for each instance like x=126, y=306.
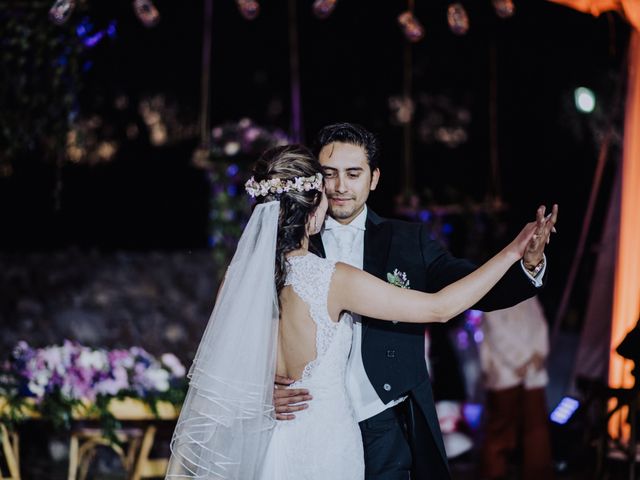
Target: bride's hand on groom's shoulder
x=288, y=400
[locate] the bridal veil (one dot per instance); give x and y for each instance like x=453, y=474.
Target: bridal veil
x=227, y=418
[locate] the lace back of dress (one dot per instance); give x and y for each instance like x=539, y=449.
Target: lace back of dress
x=310, y=278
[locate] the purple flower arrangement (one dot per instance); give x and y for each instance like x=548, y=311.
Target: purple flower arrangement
x=57, y=378
x=82, y=373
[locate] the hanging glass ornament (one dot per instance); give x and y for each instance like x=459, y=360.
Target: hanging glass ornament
x=458, y=19
x=323, y=8
x=146, y=12
x=504, y=8
x=411, y=26
x=61, y=10
x=249, y=9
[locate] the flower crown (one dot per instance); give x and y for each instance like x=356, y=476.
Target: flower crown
x=281, y=185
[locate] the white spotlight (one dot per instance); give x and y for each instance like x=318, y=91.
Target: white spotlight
x=585, y=100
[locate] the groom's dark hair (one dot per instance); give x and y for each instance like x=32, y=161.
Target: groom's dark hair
x=353, y=134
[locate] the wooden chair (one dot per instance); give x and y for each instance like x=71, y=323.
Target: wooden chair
x=146, y=467
x=84, y=445
x=10, y=448
x=134, y=455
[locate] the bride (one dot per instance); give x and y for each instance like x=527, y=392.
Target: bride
x=283, y=310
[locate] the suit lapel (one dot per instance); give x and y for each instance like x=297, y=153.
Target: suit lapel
x=317, y=246
x=377, y=239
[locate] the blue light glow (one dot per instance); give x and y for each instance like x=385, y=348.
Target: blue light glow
x=472, y=413
x=84, y=27
x=93, y=40
x=111, y=29
x=232, y=170
x=564, y=411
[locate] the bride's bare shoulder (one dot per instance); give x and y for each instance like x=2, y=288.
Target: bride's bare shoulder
x=344, y=274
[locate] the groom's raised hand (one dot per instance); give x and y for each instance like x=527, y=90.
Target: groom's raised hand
x=287, y=400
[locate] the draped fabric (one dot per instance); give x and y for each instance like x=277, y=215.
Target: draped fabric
x=629, y=9
x=626, y=292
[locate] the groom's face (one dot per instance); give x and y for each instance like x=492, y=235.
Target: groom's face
x=348, y=179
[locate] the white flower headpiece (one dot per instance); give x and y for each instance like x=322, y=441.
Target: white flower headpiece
x=281, y=185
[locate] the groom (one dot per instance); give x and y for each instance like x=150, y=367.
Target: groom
x=388, y=380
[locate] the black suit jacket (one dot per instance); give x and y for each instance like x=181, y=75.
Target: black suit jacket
x=393, y=354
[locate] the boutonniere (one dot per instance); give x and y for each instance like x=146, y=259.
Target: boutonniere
x=398, y=278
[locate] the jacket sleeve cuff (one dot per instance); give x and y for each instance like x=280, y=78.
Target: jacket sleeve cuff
x=539, y=275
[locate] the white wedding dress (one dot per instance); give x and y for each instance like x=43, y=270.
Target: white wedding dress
x=324, y=441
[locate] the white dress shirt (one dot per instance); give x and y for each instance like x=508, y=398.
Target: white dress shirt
x=345, y=243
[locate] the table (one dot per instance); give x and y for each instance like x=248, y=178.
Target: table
x=84, y=441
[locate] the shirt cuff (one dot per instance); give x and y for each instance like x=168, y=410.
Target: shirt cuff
x=537, y=280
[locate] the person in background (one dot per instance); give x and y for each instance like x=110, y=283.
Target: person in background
x=512, y=357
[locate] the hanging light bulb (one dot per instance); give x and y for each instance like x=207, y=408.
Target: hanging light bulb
x=411, y=26
x=146, y=12
x=61, y=10
x=504, y=8
x=458, y=19
x=249, y=9
x=323, y=8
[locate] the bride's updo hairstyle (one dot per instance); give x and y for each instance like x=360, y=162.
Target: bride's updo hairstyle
x=289, y=162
